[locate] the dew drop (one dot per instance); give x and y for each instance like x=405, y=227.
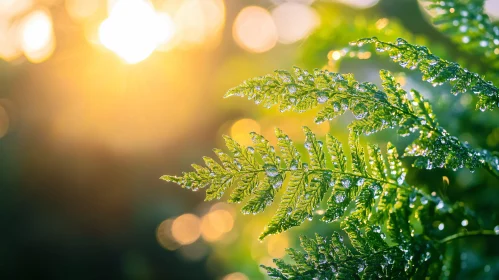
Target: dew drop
x=308, y=145
x=407, y=267
x=427, y=256
x=291, y=89
x=345, y=182
x=322, y=97
x=320, y=144
x=271, y=170
x=496, y=230
x=401, y=179
x=360, y=111
x=424, y=200
x=339, y=198
x=464, y=222
x=360, y=182
x=361, y=267
x=344, y=103
x=440, y=205
x=277, y=184
x=285, y=77
x=336, y=106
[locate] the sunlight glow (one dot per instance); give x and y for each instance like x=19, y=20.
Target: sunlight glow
x=254, y=30
x=134, y=30
x=37, y=36
x=294, y=21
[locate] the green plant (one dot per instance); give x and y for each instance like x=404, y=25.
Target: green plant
x=389, y=222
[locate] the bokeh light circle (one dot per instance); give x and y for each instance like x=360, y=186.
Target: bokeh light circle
x=186, y=229
x=254, y=30
x=294, y=21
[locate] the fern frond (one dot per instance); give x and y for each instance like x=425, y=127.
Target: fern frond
x=376, y=110
x=466, y=23
x=437, y=71
x=258, y=173
x=371, y=258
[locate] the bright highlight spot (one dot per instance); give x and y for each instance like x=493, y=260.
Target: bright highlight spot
x=294, y=21
x=240, y=131
x=334, y=55
x=134, y=30
x=186, y=229
x=254, y=30
x=37, y=37
x=362, y=4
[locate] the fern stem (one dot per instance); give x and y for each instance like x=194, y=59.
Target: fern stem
x=481, y=232
x=404, y=185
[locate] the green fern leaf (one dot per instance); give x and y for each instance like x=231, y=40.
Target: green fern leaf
x=375, y=109
x=437, y=71
x=467, y=24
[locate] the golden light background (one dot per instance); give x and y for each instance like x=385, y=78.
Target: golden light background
x=101, y=98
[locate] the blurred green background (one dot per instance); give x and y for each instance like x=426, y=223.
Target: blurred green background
x=98, y=99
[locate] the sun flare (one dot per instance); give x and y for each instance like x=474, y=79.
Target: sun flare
x=134, y=30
